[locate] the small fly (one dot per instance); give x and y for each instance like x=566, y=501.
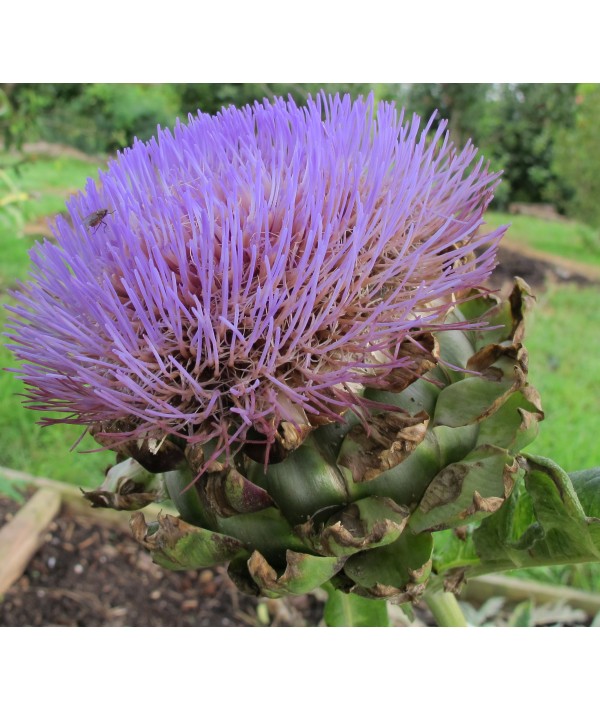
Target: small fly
x=95, y=219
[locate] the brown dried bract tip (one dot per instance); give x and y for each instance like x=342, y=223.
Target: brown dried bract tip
x=119, y=501
x=155, y=453
x=423, y=349
x=391, y=438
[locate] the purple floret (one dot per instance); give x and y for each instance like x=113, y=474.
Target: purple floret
x=254, y=268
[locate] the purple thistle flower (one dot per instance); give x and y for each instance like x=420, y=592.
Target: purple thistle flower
x=251, y=271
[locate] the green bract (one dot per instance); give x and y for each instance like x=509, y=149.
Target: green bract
x=358, y=504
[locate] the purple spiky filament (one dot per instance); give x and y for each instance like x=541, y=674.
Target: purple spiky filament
x=259, y=267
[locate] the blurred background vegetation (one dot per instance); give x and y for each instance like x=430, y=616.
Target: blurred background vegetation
x=545, y=137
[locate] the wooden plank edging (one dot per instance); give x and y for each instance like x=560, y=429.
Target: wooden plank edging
x=480, y=589
x=21, y=537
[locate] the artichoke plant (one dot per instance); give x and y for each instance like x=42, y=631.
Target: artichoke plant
x=357, y=501
x=280, y=327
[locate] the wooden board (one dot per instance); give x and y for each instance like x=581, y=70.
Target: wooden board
x=21, y=537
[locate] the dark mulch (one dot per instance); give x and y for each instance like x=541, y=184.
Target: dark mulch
x=537, y=272
x=88, y=575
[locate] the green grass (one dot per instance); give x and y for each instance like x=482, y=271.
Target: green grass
x=563, y=343
x=44, y=451
x=570, y=240
x=50, y=180
x=48, y=183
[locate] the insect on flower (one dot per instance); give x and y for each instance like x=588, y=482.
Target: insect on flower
x=95, y=219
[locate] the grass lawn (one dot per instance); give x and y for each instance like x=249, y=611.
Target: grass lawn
x=48, y=182
x=23, y=444
x=563, y=343
x=570, y=240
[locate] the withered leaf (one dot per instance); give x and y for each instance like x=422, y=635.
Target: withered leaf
x=391, y=438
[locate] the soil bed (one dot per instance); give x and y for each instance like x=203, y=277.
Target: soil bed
x=89, y=575
x=538, y=269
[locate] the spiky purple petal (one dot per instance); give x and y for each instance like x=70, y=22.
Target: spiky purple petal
x=258, y=267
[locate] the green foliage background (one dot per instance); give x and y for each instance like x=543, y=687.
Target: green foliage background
x=543, y=136
x=577, y=156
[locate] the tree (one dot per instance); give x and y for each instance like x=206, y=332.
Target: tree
x=578, y=156
x=523, y=122
x=464, y=105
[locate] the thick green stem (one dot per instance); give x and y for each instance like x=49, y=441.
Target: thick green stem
x=472, y=568
x=445, y=609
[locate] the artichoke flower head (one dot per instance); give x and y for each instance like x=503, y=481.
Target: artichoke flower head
x=279, y=324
